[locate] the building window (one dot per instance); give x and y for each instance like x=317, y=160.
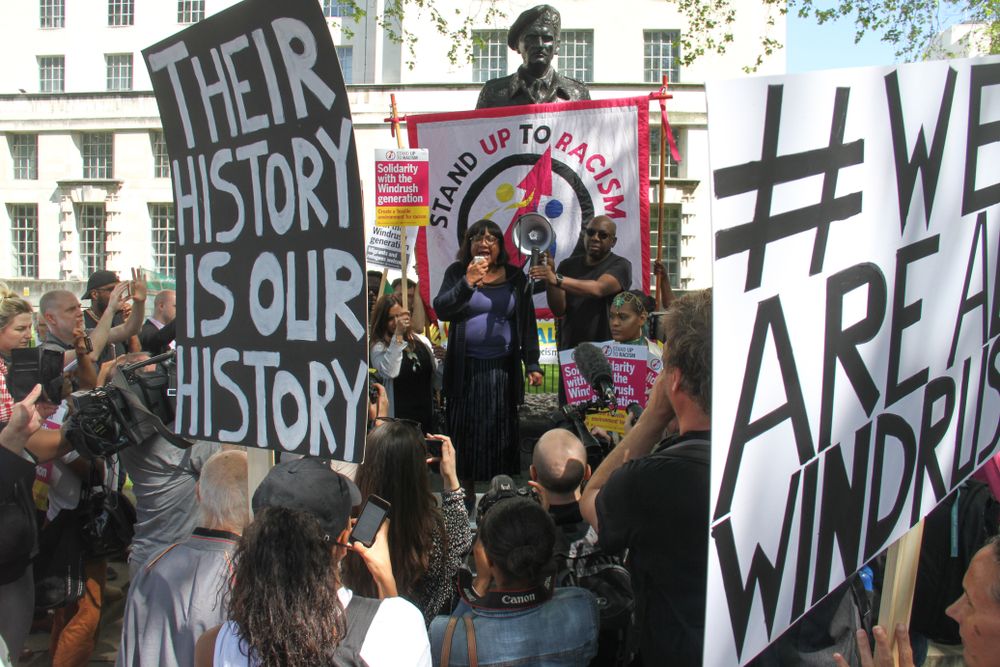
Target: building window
x=51, y=74
x=97, y=149
x=161, y=161
x=24, y=239
x=190, y=11
x=332, y=8
x=489, y=54
x=119, y=68
x=661, y=54
x=52, y=14
x=162, y=218
x=654, y=155
x=121, y=12
x=93, y=236
x=671, y=240
x=24, y=152
x=345, y=54
x=576, y=54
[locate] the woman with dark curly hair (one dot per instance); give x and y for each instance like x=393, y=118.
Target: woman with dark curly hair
x=286, y=605
x=489, y=305
x=510, y=606
x=427, y=543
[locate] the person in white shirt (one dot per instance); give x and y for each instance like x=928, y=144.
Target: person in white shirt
x=287, y=605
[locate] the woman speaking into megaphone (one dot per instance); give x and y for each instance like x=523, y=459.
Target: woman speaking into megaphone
x=492, y=332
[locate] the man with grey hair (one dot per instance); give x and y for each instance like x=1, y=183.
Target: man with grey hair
x=534, y=35
x=178, y=594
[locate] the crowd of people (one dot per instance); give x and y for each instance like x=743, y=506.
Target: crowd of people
x=443, y=582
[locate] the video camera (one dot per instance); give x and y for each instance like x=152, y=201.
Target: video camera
x=501, y=488
x=137, y=403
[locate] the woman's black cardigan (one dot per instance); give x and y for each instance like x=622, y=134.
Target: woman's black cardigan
x=452, y=304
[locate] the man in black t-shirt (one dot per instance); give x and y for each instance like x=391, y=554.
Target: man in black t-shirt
x=581, y=289
x=656, y=504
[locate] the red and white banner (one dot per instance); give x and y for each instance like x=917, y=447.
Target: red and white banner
x=567, y=161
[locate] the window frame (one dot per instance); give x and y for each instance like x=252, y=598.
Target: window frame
x=161, y=158
x=672, y=168
x=51, y=73
x=97, y=152
x=24, y=156
x=587, y=43
x=672, y=248
x=162, y=227
x=93, y=237
x=494, y=43
x=24, y=239
x=652, y=64
x=190, y=11
x=118, y=72
x=51, y=14
x=121, y=13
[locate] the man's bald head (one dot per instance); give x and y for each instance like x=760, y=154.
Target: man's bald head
x=560, y=461
x=222, y=491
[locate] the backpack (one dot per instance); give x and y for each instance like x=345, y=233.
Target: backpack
x=583, y=564
x=360, y=613
x=953, y=532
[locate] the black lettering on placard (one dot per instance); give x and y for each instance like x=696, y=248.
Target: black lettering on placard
x=878, y=530
x=841, y=344
x=762, y=573
x=842, y=508
x=807, y=520
x=770, y=319
x=927, y=165
x=979, y=299
x=762, y=175
x=905, y=315
x=960, y=470
x=991, y=373
x=931, y=435
x=979, y=135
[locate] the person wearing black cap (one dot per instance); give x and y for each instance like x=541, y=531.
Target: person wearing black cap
x=535, y=35
x=287, y=605
x=99, y=287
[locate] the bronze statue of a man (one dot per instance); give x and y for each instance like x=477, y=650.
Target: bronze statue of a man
x=535, y=35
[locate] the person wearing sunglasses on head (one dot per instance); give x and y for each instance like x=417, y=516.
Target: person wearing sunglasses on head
x=580, y=291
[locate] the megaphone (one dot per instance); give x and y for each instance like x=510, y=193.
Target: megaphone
x=533, y=234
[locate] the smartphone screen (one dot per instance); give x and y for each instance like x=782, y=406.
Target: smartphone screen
x=372, y=515
x=433, y=447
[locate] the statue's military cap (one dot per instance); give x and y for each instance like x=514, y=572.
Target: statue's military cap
x=529, y=16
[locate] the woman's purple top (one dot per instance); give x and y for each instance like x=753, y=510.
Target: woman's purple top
x=487, y=330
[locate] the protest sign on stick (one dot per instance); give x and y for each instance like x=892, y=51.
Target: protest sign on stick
x=856, y=350
x=271, y=345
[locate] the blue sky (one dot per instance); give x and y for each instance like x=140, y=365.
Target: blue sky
x=831, y=45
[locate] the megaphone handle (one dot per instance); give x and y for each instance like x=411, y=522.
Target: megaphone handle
x=536, y=257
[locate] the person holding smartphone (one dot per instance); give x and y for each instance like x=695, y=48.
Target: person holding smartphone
x=405, y=361
x=488, y=302
x=427, y=542
x=287, y=605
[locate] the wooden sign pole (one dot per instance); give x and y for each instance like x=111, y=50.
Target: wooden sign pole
x=899, y=582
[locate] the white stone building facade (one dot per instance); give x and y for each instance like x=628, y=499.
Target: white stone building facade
x=84, y=179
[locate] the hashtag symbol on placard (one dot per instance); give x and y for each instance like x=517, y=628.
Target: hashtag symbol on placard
x=773, y=169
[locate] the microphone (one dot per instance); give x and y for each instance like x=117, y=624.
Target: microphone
x=596, y=370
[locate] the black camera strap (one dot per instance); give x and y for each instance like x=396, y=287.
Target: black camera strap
x=504, y=600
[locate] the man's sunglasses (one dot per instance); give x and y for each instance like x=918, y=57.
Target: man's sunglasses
x=599, y=233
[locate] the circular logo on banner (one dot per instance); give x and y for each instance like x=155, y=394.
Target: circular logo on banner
x=505, y=192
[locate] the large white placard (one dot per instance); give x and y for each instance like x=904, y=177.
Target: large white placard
x=857, y=324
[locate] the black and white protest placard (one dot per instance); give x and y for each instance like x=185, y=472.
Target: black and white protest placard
x=856, y=351
x=270, y=240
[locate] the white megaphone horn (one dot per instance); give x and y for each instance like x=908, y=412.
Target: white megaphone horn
x=532, y=234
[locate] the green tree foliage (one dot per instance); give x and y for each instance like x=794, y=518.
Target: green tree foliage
x=910, y=26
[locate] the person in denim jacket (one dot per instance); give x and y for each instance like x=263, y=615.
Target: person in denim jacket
x=517, y=616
